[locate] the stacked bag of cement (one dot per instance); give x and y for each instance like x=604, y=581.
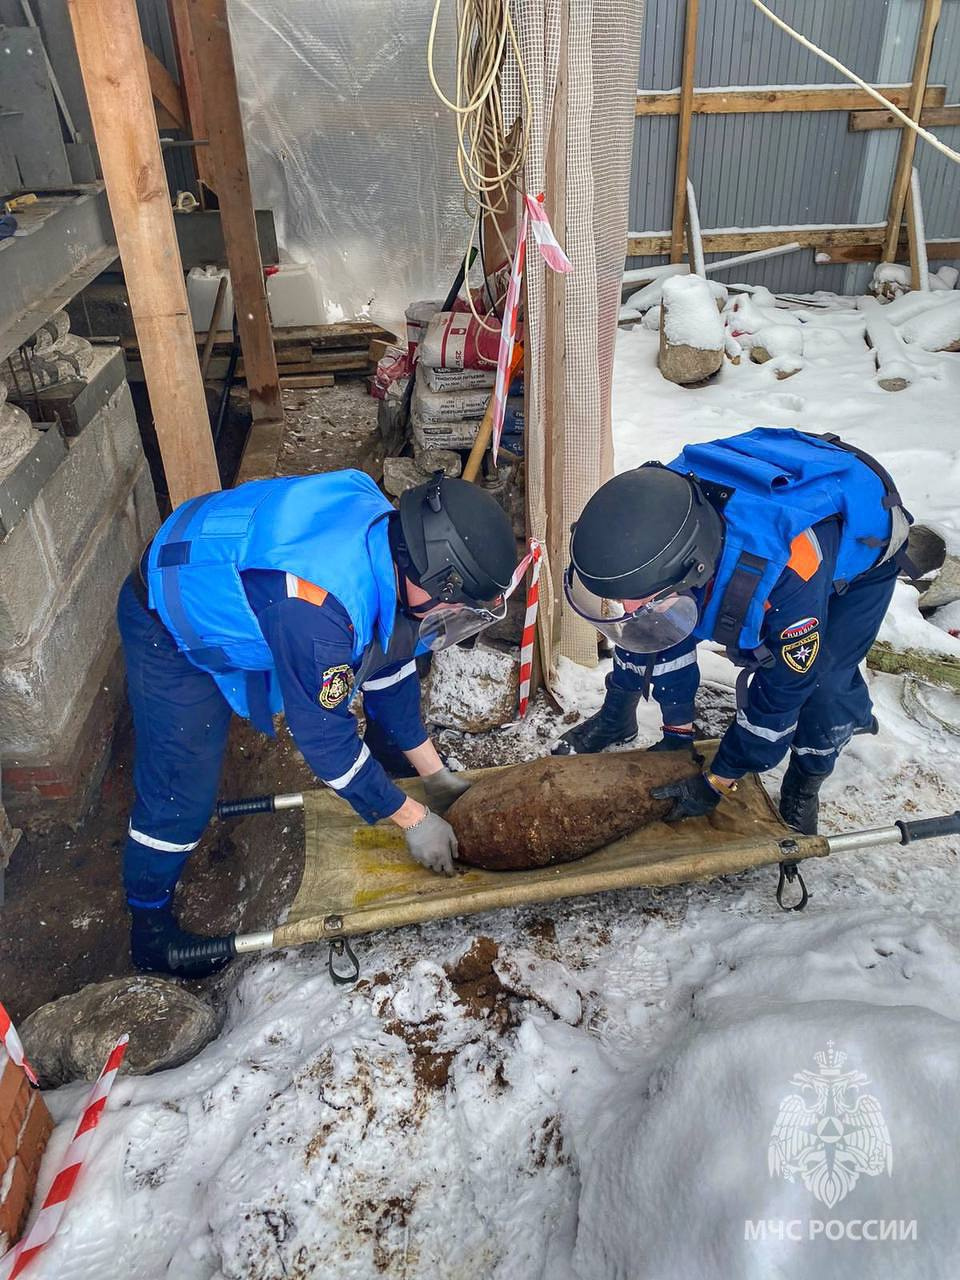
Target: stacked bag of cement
x=456, y=363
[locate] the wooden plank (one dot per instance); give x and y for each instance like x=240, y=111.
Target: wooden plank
x=329, y=362
x=682, y=166
x=166, y=92
x=221, y=103
x=110, y=49
x=725, y=240
x=191, y=91
x=861, y=121
x=307, y=382
x=937, y=250
x=908, y=139
x=782, y=98
x=553, y=414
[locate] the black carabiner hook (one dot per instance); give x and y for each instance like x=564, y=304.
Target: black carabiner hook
x=341, y=947
x=790, y=872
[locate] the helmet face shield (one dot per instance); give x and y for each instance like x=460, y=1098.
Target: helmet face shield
x=653, y=626
x=448, y=624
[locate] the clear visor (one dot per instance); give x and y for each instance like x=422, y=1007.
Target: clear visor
x=450, y=624
x=651, y=627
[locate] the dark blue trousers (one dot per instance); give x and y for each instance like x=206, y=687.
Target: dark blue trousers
x=840, y=704
x=180, y=721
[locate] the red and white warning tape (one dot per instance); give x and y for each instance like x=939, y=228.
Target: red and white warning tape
x=508, y=333
x=547, y=242
x=535, y=216
x=529, y=628
x=55, y=1202
x=11, y=1042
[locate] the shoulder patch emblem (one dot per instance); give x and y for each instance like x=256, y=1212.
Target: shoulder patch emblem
x=798, y=629
x=802, y=654
x=336, y=683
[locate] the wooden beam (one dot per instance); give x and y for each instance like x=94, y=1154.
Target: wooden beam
x=862, y=121
x=688, y=73
x=908, y=139
x=166, y=92
x=937, y=251
x=554, y=347
x=919, y=274
x=728, y=240
x=117, y=84
x=785, y=97
x=190, y=88
x=221, y=104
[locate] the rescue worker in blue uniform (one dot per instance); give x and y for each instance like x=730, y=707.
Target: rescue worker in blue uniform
x=780, y=545
x=293, y=594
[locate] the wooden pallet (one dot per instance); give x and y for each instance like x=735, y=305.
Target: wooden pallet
x=307, y=356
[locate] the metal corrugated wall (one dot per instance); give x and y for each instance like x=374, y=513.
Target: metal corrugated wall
x=794, y=167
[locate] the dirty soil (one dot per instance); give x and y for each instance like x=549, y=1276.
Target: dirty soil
x=64, y=923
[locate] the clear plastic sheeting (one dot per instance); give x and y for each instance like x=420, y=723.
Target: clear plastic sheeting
x=349, y=146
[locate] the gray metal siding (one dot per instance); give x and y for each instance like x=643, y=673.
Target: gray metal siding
x=793, y=167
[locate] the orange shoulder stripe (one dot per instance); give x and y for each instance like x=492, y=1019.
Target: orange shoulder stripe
x=300, y=589
x=805, y=556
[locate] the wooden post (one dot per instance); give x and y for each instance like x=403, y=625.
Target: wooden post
x=908, y=139
x=190, y=88
x=683, y=128
x=221, y=105
x=114, y=68
x=554, y=342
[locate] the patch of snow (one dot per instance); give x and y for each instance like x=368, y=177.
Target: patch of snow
x=690, y=316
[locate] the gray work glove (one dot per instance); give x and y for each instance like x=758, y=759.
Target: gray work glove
x=443, y=787
x=433, y=843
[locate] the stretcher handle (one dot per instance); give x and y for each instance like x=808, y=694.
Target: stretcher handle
x=259, y=804
x=222, y=948
x=929, y=828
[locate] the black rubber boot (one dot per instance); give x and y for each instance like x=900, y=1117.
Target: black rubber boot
x=800, y=799
x=154, y=931
x=615, y=722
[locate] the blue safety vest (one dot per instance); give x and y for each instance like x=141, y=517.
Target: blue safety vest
x=329, y=529
x=771, y=485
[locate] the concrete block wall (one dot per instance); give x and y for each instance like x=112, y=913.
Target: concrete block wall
x=25, y=1126
x=61, y=568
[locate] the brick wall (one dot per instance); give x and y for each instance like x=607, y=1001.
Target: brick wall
x=25, y=1126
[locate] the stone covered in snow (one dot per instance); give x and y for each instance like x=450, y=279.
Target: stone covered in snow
x=70, y=1038
x=472, y=689
x=691, y=331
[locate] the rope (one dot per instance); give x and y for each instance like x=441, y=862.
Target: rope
x=927, y=136
x=489, y=160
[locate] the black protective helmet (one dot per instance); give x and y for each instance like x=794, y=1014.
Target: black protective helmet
x=645, y=531
x=459, y=544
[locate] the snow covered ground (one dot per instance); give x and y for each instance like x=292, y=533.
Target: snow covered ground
x=602, y=1089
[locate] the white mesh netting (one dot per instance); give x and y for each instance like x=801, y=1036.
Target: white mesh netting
x=603, y=41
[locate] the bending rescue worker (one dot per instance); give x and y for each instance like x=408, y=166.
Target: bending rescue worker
x=779, y=545
x=291, y=594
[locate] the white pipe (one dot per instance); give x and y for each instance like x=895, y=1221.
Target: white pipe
x=775, y=251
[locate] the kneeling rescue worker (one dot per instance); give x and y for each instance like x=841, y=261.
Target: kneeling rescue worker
x=291, y=594
x=779, y=545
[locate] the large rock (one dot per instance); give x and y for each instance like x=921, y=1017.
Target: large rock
x=472, y=689
x=69, y=1039
x=691, y=331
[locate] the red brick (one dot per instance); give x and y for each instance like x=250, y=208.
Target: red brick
x=11, y=1085
x=9, y=1135
x=34, y=1136
x=13, y=1209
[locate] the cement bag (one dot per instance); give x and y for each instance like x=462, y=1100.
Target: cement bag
x=417, y=316
x=455, y=340
x=465, y=405
x=460, y=434
x=458, y=379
